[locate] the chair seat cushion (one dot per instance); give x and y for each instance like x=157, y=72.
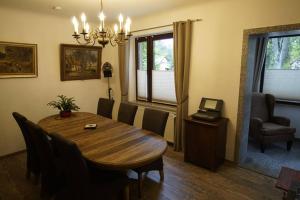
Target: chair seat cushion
x=270, y=129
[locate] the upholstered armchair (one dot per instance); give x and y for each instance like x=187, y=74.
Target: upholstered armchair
x=264, y=126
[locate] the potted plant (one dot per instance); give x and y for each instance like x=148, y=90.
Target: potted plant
x=65, y=105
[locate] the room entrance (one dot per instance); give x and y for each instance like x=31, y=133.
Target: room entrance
x=268, y=127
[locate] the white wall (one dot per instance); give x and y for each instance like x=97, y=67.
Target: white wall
x=215, y=64
x=29, y=96
x=217, y=46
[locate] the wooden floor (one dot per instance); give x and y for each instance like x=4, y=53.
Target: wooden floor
x=182, y=181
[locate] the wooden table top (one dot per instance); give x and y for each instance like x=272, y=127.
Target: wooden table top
x=112, y=144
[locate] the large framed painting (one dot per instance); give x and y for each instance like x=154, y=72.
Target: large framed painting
x=80, y=62
x=18, y=60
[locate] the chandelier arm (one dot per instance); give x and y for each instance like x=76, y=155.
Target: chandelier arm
x=112, y=44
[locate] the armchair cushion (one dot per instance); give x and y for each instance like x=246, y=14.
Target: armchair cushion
x=280, y=120
x=271, y=129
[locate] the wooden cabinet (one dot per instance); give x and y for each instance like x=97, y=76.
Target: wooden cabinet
x=205, y=142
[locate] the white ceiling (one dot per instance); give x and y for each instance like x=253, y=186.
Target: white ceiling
x=112, y=8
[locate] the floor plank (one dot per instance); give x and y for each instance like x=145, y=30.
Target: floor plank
x=183, y=181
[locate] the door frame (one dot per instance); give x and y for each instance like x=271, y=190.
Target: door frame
x=243, y=117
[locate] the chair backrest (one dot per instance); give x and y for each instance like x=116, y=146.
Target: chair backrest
x=127, y=113
x=43, y=147
x=262, y=106
x=21, y=120
x=155, y=121
x=33, y=162
x=72, y=163
x=105, y=107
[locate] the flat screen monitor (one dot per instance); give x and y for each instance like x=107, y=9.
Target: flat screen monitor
x=211, y=104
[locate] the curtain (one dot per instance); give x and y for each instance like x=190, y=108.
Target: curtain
x=260, y=55
x=182, y=33
x=123, y=54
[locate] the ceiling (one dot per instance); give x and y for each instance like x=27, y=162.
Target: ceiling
x=112, y=8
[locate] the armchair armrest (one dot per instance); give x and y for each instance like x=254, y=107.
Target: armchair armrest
x=281, y=120
x=256, y=125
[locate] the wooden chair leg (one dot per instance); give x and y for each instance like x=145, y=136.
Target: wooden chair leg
x=126, y=193
x=28, y=174
x=140, y=184
x=262, y=147
x=289, y=145
x=36, y=179
x=162, y=175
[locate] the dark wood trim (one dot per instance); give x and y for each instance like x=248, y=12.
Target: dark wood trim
x=136, y=68
x=150, y=63
x=289, y=35
x=150, y=66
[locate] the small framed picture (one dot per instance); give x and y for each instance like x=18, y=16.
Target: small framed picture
x=18, y=60
x=80, y=62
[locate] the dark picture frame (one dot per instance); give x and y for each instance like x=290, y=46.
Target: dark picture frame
x=18, y=60
x=79, y=62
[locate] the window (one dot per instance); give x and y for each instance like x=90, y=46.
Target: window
x=281, y=75
x=155, y=69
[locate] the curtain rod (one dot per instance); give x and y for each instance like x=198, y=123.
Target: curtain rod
x=162, y=26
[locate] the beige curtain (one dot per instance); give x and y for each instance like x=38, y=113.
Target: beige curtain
x=182, y=50
x=123, y=54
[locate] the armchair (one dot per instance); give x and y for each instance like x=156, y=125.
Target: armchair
x=264, y=126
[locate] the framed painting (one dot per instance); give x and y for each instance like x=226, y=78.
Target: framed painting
x=18, y=60
x=80, y=62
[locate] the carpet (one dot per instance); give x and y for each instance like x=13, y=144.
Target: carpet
x=275, y=157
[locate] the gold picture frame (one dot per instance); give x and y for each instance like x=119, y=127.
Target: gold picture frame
x=18, y=60
x=79, y=62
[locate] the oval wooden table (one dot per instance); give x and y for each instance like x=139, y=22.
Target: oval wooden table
x=112, y=145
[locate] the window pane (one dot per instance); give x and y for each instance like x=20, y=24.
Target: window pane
x=142, y=71
x=163, y=85
x=282, y=70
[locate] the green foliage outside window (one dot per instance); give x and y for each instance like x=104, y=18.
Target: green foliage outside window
x=142, y=50
x=283, y=53
x=162, y=55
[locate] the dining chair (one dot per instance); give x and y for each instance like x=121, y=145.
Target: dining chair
x=32, y=163
x=81, y=182
x=127, y=113
x=51, y=176
x=105, y=107
x=155, y=121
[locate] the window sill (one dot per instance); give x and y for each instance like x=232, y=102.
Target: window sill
x=288, y=102
x=157, y=106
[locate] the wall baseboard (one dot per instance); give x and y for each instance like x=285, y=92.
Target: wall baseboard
x=12, y=154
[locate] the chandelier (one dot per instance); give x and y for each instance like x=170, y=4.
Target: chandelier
x=102, y=34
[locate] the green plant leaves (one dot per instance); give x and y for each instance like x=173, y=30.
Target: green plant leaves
x=64, y=103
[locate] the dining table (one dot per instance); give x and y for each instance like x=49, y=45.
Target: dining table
x=112, y=144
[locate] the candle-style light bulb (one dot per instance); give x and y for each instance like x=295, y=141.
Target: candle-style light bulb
x=121, y=19
x=75, y=24
x=87, y=28
x=128, y=24
x=102, y=18
x=116, y=29
x=83, y=19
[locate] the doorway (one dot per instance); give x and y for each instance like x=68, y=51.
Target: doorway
x=248, y=152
